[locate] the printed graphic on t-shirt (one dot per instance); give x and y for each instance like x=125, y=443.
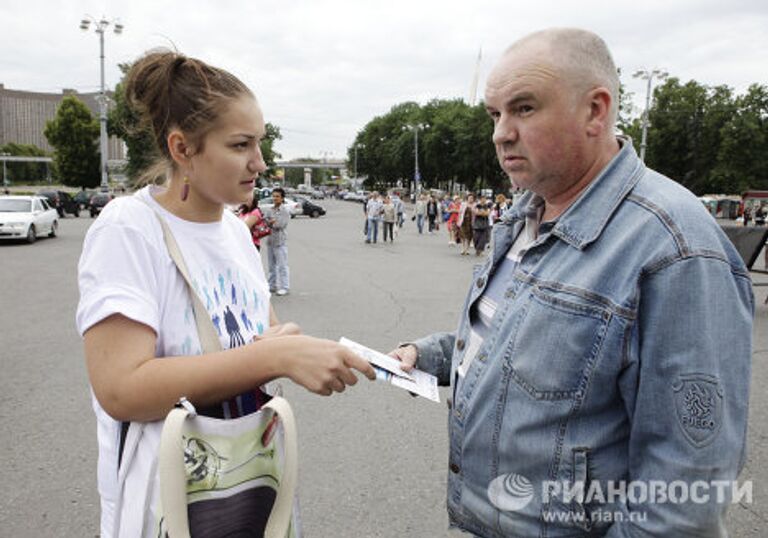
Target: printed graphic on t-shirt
x=235, y=309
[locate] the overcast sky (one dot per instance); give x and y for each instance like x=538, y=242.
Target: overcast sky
x=322, y=69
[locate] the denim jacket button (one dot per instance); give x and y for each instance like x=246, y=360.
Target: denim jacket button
x=449, y=402
x=480, y=282
x=454, y=468
x=460, y=344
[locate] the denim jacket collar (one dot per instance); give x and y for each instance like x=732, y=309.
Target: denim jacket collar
x=583, y=222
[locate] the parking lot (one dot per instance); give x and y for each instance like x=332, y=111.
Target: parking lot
x=373, y=460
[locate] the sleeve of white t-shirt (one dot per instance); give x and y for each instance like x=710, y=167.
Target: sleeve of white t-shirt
x=118, y=274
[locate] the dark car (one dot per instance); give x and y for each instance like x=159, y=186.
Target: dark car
x=62, y=202
x=309, y=208
x=98, y=201
x=84, y=198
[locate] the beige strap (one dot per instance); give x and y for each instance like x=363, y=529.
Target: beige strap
x=173, y=479
x=209, y=339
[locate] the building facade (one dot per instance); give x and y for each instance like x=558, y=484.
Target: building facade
x=23, y=116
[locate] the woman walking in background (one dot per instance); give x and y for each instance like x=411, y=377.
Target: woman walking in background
x=481, y=225
x=464, y=223
x=453, y=219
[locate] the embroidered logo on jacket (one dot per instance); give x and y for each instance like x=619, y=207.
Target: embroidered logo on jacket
x=699, y=407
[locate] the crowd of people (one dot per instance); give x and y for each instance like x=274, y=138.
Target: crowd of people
x=467, y=218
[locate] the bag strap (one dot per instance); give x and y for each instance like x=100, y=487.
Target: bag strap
x=209, y=339
x=173, y=478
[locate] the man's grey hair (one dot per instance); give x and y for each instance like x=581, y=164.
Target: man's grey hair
x=583, y=57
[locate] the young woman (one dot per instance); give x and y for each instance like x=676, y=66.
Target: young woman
x=453, y=218
x=254, y=219
x=141, y=345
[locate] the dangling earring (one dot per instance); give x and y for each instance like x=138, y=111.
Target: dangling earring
x=185, y=189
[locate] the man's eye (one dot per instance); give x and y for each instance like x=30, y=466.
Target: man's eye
x=524, y=109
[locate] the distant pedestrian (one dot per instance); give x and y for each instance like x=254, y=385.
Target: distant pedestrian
x=464, y=223
x=420, y=212
x=453, y=217
x=481, y=225
x=432, y=213
x=399, y=209
x=277, y=243
x=389, y=213
x=254, y=219
x=373, y=212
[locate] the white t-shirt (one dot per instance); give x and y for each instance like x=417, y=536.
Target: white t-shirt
x=125, y=269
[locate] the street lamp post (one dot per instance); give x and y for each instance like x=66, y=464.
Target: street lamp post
x=361, y=146
x=416, y=174
x=100, y=27
x=645, y=74
x=5, y=170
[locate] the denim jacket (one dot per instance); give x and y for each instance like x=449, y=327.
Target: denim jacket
x=619, y=319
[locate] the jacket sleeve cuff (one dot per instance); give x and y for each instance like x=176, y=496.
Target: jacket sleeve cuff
x=434, y=355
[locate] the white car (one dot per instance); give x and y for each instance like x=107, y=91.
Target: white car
x=27, y=217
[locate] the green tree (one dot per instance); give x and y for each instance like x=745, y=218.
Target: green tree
x=742, y=158
x=125, y=123
x=268, y=148
x=74, y=134
x=455, y=148
x=25, y=172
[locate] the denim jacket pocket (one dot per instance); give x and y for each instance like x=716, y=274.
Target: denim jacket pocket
x=557, y=363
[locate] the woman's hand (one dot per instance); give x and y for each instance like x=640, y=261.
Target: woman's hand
x=322, y=366
x=279, y=329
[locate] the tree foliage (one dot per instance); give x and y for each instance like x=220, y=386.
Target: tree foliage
x=125, y=123
x=25, y=172
x=708, y=139
x=454, y=147
x=74, y=134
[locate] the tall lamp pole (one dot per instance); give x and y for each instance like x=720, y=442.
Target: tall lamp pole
x=5, y=170
x=361, y=146
x=416, y=127
x=645, y=74
x=100, y=27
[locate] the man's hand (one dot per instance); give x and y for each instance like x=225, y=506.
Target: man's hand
x=407, y=355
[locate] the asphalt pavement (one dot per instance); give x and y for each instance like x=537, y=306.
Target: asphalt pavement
x=373, y=460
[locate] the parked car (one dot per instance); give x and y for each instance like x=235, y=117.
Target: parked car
x=62, y=202
x=26, y=217
x=84, y=198
x=310, y=208
x=318, y=194
x=98, y=201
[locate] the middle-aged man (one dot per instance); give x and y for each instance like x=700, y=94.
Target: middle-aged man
x=606, y=343
x=278, y=218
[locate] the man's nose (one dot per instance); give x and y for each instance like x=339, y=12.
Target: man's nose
x=505, y=131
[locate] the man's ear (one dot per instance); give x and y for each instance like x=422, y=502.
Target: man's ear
x=179, y=148
x=600, y=102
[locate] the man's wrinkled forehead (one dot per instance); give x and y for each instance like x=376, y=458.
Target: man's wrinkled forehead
x=529, y=61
